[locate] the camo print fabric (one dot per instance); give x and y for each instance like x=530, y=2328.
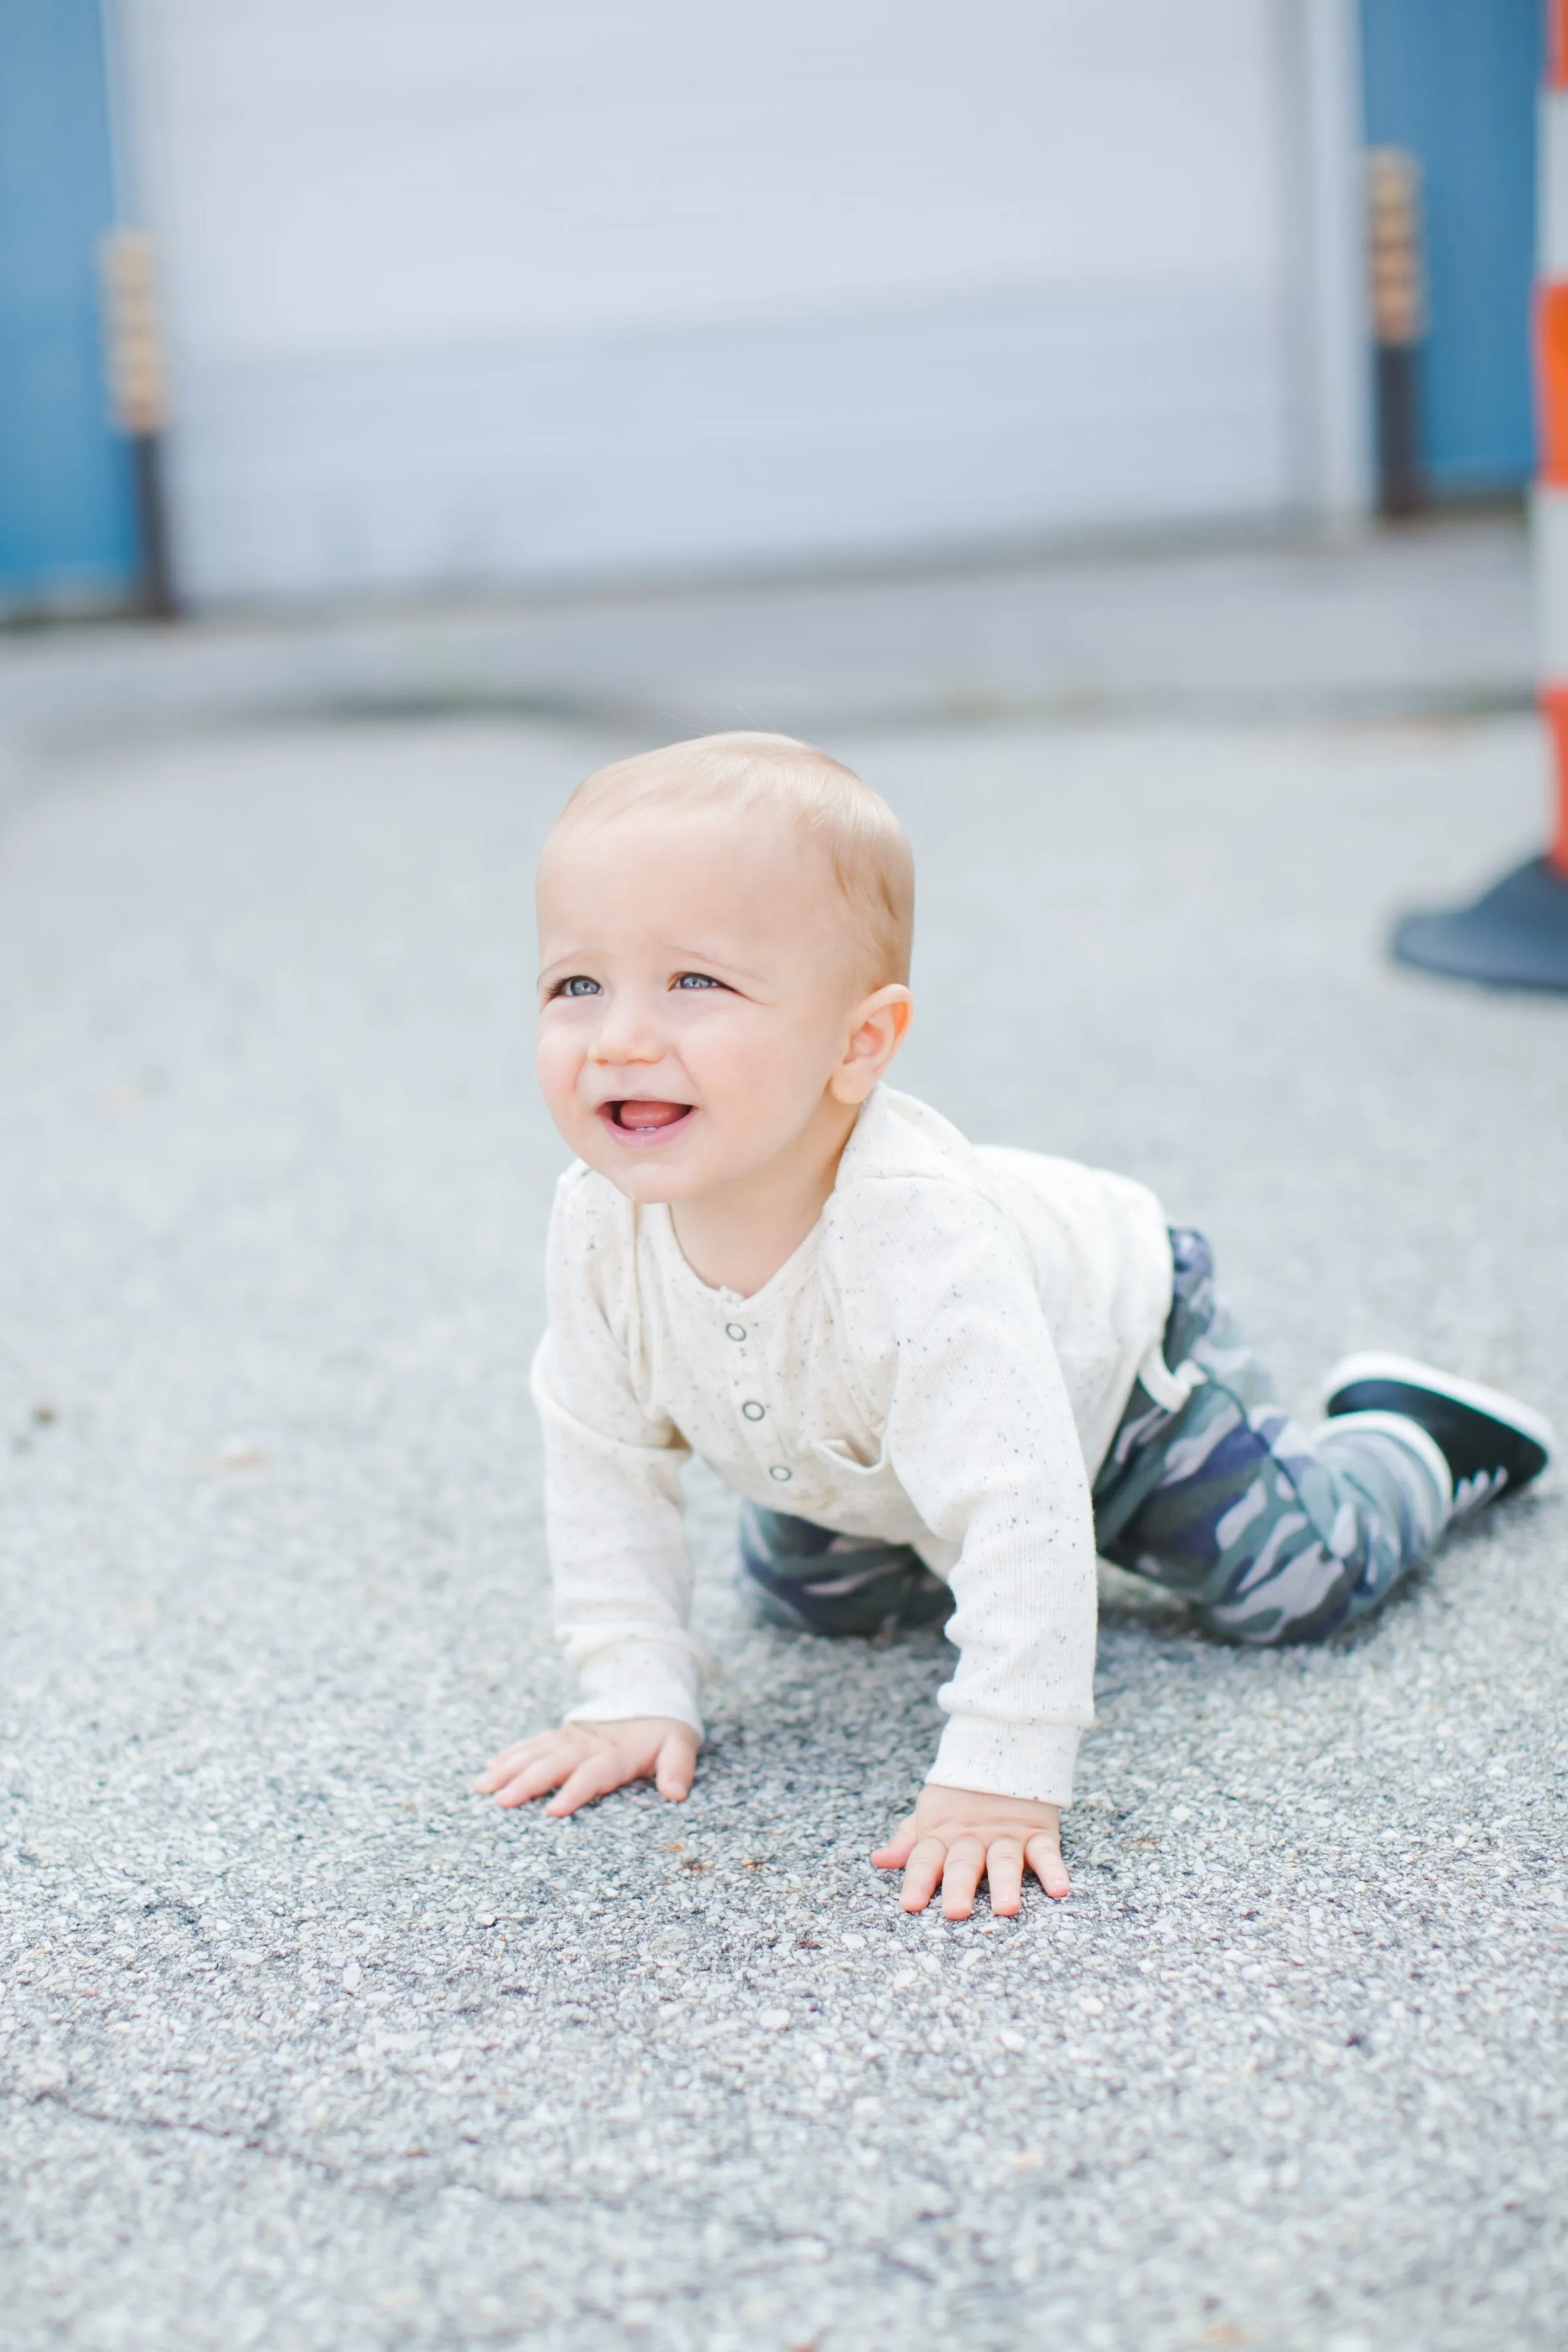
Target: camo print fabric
x=814, y=1581
x=1272, y=1535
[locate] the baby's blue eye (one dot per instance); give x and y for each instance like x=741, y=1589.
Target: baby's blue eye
x=579, y=985
x=696, y=980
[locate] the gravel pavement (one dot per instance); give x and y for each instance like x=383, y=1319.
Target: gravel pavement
x=304, y=2045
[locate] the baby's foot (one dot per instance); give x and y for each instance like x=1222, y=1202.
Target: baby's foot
x=1493, y=1445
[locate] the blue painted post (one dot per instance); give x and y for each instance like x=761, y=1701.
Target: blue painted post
x=68, y=533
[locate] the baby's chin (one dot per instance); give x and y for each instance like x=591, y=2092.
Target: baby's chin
x=664, y=1166
x=688, y=1166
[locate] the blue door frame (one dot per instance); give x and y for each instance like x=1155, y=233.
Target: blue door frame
x=68, y=532
x=1456, y=82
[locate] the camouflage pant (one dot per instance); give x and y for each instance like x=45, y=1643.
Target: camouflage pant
x=1272, y=1535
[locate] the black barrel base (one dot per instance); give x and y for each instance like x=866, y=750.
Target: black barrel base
x=1515, y=937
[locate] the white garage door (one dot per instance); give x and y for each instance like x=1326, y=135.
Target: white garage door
x=468, y=290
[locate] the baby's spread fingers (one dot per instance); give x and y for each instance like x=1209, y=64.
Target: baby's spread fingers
x=898, y=1849
x=1044, y=1855
x=677, y=1766
x=534, y=1779
x=594, y=1777
x=923, y=1874
x=965, y=1868
x=500, y=1769
x=1004, y=1868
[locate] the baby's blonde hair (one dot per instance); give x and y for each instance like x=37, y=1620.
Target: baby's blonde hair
x=866, y=847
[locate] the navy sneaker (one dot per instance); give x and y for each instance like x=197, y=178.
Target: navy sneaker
x=1493, y=1444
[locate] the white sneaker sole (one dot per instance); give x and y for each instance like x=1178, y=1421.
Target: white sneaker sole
x=1374, y=1365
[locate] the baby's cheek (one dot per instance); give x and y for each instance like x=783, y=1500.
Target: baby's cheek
x=557, y=1061
x=748, y=1089
x=761, y=1064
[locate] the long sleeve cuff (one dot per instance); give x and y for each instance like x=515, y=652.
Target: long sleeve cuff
x=636, y=1676
x=1007, y=1759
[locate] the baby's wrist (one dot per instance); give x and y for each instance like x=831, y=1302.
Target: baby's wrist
x=944, y=1795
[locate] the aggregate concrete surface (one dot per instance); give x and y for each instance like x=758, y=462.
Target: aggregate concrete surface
x=303, y=2044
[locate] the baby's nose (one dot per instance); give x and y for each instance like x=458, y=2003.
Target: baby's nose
x=624, y=1036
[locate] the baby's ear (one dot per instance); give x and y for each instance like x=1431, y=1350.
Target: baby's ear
x=876, y=1031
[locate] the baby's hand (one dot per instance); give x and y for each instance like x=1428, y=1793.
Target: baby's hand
x=956, y=1837
x=584, y=1761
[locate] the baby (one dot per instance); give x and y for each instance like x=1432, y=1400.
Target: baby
x=943, y=1377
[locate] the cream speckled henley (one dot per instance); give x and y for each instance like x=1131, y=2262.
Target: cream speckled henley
x=942, y=1363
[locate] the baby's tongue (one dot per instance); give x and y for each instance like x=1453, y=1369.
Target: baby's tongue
x=645, y=1114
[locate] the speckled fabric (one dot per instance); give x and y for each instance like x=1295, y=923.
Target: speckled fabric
x=1273, y=1534
x=942, y=1363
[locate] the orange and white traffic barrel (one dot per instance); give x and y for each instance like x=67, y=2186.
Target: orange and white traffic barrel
x=1551, y=410
x=1517, y=936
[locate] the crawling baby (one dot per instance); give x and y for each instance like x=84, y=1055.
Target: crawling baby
x=940, y=1377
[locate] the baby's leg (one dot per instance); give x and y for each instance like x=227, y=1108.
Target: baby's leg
x=1274, y=1534
x=805, y=1577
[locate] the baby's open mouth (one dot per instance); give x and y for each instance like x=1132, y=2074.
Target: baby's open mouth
x=635, y=1118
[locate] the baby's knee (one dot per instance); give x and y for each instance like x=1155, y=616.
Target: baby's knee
x=811, y=1579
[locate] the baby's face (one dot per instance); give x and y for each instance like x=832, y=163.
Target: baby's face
x=697, y=985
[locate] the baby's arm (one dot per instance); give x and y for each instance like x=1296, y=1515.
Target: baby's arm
x=584, y=1761
x=613, y=1522
x=980, y=1431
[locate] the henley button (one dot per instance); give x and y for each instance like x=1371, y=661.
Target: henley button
x=735, y=1330
x=781, y=1473
x=752, y=1410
